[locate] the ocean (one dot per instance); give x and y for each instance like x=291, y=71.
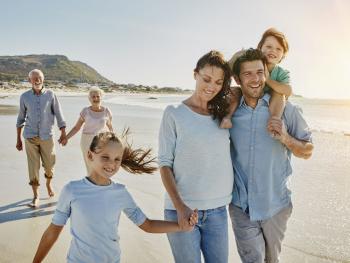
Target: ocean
x=323, y=115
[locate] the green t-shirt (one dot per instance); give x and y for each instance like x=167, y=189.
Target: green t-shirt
x=278, y=74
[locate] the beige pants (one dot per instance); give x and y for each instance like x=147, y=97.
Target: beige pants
x=36, y=149
x=85, y=142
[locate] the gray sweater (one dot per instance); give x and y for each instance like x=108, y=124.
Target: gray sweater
x=198, y=152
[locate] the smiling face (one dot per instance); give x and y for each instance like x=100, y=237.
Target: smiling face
x=95, y=98
x=37, y=81
x=272, y=50
x=209, y=81
x=252, y=81
x=105, y=162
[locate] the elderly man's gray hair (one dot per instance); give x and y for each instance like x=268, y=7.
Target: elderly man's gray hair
x=36, y=71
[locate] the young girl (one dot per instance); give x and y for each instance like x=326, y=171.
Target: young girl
x=274, y=46
x=94, y=204
x=94, y=119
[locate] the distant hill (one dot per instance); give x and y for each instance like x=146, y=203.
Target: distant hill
x=55, y=68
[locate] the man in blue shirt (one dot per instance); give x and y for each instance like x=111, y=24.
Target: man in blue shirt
x=38, y=109
x=261, y=203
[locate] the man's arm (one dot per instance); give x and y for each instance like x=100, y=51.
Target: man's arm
x=57, y=110
x=56, y=107
x=20, y=123
x=19, y=144
x=300, y=148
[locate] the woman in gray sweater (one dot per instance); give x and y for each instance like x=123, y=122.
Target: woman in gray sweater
x=195, y=164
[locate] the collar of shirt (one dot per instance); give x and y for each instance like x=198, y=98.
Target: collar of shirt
x=265, y=98
x=42, y=91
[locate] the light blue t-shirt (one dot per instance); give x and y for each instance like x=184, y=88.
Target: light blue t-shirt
x=262, y=164
x=94, y=213
x=198, y=152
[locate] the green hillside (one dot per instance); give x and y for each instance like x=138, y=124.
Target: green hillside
x=55, y=68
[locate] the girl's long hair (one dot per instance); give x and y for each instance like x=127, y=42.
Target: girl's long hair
x=135, y=161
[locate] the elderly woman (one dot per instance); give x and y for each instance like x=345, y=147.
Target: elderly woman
x=195, y=164
x=95, y=119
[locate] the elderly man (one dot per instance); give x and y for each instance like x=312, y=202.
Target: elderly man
x=261, y=204
x=38, y=109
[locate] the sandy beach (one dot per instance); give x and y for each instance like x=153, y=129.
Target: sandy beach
x=318, y=231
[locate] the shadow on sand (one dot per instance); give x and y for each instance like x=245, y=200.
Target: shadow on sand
x=20, y=210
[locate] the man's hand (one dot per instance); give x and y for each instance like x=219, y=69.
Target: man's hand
x=63, y=138
x=19, y=145
x=184, y=215
x=278, y=128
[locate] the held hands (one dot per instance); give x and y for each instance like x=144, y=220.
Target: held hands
x=192, y=221
x=277, y=127
x=63, y=138
x=187, y=218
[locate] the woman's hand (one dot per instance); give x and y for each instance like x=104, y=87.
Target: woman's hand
x=184, y=214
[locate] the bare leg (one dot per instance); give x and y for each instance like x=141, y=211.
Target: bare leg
x=235, y=97
x=35, y=201
x=277, y=104
x=50, y=192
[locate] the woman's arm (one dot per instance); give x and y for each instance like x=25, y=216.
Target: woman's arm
x=76, y=128
x=109, y=121
x=109, y=125
x=47, y=241
x=183, y=211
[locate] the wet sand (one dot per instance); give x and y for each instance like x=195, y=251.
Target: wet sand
x=318, y=231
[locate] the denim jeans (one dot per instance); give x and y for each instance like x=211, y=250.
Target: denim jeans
x=209, y=236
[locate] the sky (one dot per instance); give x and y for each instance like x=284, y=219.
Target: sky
x=158, y=42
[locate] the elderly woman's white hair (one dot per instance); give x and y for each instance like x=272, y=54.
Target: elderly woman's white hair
x=35, y=71
x=95, y=89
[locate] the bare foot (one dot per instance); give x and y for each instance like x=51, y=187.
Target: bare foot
x=34, y=203
x=50, y=192
x=226, y=123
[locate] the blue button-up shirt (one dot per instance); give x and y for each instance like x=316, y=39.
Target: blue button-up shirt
x=262, y=164
x=37, y=114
